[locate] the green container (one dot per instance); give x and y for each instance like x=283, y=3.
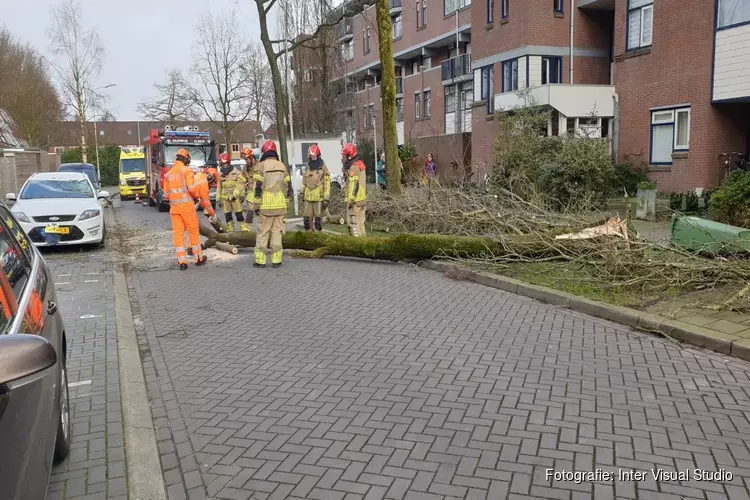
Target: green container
x=701, y=235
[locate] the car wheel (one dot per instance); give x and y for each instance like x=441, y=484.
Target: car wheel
x=62, y=442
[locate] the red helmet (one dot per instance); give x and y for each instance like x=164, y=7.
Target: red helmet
x=269, y=145
x=349, y=150
x=314, y=151
x=224, y=159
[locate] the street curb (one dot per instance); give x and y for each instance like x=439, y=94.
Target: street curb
x=647, y=322
x=144, y=475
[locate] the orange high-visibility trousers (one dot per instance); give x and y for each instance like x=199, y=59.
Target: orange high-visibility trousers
x=185, y=218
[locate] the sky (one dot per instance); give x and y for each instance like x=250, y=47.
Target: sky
x=142, y=38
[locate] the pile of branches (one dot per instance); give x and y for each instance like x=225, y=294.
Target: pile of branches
x=459, y=212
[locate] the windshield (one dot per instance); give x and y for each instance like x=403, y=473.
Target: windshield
x=132, y=165
x=48, y=188
x=199, y=155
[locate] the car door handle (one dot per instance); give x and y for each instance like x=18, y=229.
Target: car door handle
x=51, y=308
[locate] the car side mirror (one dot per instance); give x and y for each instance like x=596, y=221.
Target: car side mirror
x=11, y=197
x=22, y=356
x=103, y=195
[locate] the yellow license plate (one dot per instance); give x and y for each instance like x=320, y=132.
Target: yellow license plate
x=57, y=230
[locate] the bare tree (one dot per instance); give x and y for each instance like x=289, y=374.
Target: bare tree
x=107, y=115
x=223, y=92
x=27, y=92
x=258, y=78
x=79, y=60
x=172, y=103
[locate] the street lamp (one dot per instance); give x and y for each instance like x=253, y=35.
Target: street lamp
x=96, y=135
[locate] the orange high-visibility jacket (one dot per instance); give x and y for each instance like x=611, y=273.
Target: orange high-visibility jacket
x=179, y=186
x=202, y=189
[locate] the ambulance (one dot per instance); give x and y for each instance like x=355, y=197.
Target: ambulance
x=132, y=172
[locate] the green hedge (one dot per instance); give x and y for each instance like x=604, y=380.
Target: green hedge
x=109, y=162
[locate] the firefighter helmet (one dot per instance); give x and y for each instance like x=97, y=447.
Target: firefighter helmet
x=349, y=150
x=224, y=159
x=247, y=153
x=314, y=151
x=269, y=145
x=183, y=156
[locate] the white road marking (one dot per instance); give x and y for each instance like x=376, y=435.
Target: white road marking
x=91, y=316
x=91, y=281
x=94, y=274
x=64, y=275
x=63, y=283
x=82, y=382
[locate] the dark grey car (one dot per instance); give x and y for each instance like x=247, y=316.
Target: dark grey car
x=34, y=403
x=84, y=168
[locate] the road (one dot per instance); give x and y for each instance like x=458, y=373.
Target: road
x=342, y=379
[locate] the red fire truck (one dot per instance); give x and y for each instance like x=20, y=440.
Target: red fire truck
x=160, y=155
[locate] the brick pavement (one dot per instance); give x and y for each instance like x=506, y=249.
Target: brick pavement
x=351, y=380
x=95, y=468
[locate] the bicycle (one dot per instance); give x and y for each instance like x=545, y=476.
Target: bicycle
x=732, y=162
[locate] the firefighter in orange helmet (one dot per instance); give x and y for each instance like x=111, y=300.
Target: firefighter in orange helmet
x=229, y=202
x=316, y=190
x=273, y=186
x=181, y=190
x=356, y=191
x=202, y=183
x=244, y=187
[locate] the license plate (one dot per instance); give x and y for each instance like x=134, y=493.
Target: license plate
x=57, y=230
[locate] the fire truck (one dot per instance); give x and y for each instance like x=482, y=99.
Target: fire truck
x=160, y=156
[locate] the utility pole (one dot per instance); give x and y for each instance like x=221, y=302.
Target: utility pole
x=292, y=168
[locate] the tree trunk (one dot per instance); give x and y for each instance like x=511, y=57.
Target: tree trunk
x=413, y=246
x=82, y=121
x=388, y=96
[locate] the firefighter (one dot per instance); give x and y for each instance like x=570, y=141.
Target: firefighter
x=272, y=187
x=202, y=183
x=356, y=191
x=179, y=185
x=230, y=203
x=244, y=186
x=316, y=190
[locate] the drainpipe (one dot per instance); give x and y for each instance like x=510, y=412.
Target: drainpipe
x=616, y=128
x=572, y=15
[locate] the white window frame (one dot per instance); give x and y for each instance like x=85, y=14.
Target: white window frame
x=686, y=146
x=427, y=103
x=642, y=42
x=417, y=105
x=235, y=147
x=400, y=25
x=669, y=117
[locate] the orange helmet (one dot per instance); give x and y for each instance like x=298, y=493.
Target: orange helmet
x=224, y=159
x=349, y=150
x=269, y=145
x=210, y=178
x=314, y=151
x=247, y=153
x=183, y=156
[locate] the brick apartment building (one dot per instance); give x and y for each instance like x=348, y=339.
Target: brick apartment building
x=657, y=77
x=127, y=133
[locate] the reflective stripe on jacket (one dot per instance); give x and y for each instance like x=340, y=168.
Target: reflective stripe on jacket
x=202, y=190
x=316, y=184
x=228, y=183
x=179, y=185
x=274, y=178
x=357, y=189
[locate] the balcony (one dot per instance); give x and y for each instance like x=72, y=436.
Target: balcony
x=596, y=4
x=456, y=69
x=344, y=30
x=731, y=53
x=345, y=101
x=395, y=6
x=569, y=100
x=399, y=85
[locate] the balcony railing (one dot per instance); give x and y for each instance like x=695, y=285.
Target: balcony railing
x=456, y=67
x=344, y=28
x=399, y=85
x=395, y=4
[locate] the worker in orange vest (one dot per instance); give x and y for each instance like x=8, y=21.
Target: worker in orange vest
x=202, y=183
x=181, y=191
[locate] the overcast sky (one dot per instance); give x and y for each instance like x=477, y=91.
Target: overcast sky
x=142, y=38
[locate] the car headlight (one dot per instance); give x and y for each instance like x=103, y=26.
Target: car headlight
x=22, y=217
x=123, y=183
x=90, y=214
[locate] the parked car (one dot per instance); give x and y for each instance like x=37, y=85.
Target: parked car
x=85, y=168
x=60, y=208
x=34, y=401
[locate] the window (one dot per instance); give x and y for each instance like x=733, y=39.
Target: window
x=427, y=97
x=400, y=109
x=558, y=6
x=640, y=23
x=732, y=12
x=552, y=70
x=424, y=13
x=490, y=11
x=421, y=14
x=307, y=75
x=504, y=8
x=59, y=149
x=366, y=35
x=372, y=115
x=486, y=90
x=451, y=102
x=417, y=105
x=235, y=148
x=347, y=50
x=670, y=132
x=365, y=121
x=397, y=27
x=510, y=75
x=451, y=6
x=16, y=264
x=130, y=132
x=16, y=229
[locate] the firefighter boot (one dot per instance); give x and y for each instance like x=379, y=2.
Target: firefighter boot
x=318, y=224
x=183, y=266
x=202, y=260
x=306, y=223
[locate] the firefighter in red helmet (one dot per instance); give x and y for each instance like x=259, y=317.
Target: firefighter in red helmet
x=272, y=187
x=316, y=190
x=229, y=202
x=356, y=191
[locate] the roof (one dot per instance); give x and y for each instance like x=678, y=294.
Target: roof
x=125, y=133
x=8, y=139
x=62, y=176
x=76, y=164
